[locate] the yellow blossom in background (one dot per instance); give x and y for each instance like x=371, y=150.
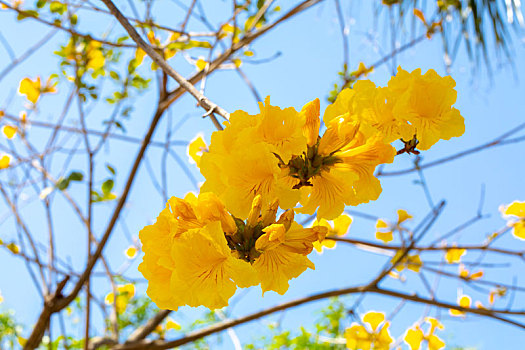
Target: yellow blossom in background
x=415, y=336
x=516, y=209
x=131, y=252
x=196, y=148
x=463, y=301
x=383, y=231
x=340, y=227
x=371, y=337
x=32, y=89
x=200, y=63
x=403, y=216
x=464, y=273
x=171, y=324
x=5, y=160
x=453, y=255
x=95, y=56
x=14, y=248
x=425, y=101
x=1, y=298
x=124, y=294
x=411, y=262
x=139, y=56
x=9, y=131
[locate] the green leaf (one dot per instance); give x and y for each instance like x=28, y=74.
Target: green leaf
x=111, y=169
x=24, y=14
x=76, y=176
x=114, y=75
x=57, y=7
x=62, y=184
x=107, y=186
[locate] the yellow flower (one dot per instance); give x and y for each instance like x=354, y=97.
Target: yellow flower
x=425, y=101
x=197, y=254
x=411, y=262
x=340, y=170
x=343, y=105
x=31, y=89
x=403, y=216
x=14, y=248
x=242, y=159
x=310, y=113
x=283, y=254
x=95, y=56
x=139, y=56
x=463, y=301
x=5, y=160
x=415, y=336
x=171, y=324
x=9, y=131
x=453, y=255
x=340, y=227
x=124, y=295
x=383, y=231
x=516, y=209
x=131, y=252
x=201, y=63
x=375, y=337
x=206, y=272
x=374, y=109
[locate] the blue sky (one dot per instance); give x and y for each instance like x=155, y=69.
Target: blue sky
x=310, y=56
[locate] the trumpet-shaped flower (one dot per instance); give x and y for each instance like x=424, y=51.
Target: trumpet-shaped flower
x=207, y=273
x=425, y=101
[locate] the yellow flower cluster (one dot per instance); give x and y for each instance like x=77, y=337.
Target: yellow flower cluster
x=202, y=248
x=196, y=253
x=373, y=335
x=279, y=153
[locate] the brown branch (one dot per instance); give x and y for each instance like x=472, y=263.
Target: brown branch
x=203, y=101
x=499, y=141
x=221, y=326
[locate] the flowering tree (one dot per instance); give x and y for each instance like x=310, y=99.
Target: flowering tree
x=280, y=184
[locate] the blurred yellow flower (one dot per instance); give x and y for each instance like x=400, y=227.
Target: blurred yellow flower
x=33, y=89
x=415, y=336
x=171, y=324
x=516, y=209
x=375, y=337
x=5, y=160
x=340, y=228
x=453, y=255
x=9, y=131
x=383, y=231
x=131, y=252
x=411, y=262
x=463, y=301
